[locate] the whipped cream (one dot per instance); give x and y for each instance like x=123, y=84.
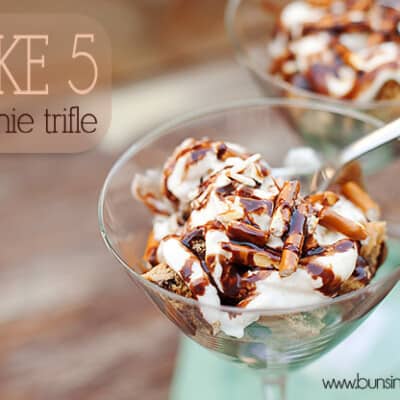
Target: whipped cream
x=229, y=224
x=342, y=49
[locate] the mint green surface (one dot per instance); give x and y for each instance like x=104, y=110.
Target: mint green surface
x=373, y=351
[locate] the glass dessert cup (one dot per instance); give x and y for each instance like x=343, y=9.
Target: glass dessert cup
x=280, y=340
x=250, y=26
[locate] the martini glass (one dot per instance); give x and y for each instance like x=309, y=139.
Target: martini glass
x=279, y=341
x=250, y=27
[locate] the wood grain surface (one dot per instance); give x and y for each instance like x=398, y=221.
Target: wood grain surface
x=72, y=325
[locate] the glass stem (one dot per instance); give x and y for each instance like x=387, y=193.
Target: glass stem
x=274, y=387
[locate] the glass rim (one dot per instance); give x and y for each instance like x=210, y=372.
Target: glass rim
x=243, y=58
x=146, y=138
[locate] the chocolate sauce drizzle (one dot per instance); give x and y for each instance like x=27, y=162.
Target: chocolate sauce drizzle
x=198, y=149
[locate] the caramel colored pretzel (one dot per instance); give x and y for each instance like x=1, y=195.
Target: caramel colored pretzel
x=243, y=232
x=284, y=204
x=334, y=221
x=361, y=199
x=361, y=5
x=294, y=241
x=325, y=198
x=320, y=3
x=350, y=172
x=250, y=257
x=151, y=249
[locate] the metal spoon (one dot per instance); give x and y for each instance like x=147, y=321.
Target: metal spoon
x=330, y=172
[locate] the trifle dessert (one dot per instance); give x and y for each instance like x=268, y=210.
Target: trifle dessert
x=228, y=231
x=343, y=49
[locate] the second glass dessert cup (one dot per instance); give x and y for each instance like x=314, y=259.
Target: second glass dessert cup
x=250, y=27
x=280, y=340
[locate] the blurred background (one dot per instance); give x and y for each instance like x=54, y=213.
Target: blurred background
x=72, y=325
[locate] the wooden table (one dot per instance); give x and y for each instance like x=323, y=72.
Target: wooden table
x=72, y=325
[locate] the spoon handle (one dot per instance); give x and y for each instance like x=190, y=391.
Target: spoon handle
x=370, y=142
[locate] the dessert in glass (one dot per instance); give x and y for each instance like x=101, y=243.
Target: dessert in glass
x=343, y=52
x=234, y=250
x=227, y=231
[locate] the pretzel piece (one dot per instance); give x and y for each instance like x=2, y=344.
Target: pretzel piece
x=284, y=204
x=320, y=3
x=243, y=232
x=334, y=221
x=350, y=172
x=250, y=257
x=294, y=242
x=361, y=199
x=150, y=253
x=327, y=198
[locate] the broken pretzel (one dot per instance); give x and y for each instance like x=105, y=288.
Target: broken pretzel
x=248, y=256
x=334, y=221
x=294, y=241
x=361, y=199
x=283, y=211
